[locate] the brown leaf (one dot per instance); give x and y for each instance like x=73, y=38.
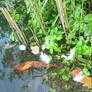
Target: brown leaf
x=87, y=81
x=32, y=64
x=8, y=46
x=23, y=66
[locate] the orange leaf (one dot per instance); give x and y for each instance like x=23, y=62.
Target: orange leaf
x=87, y=81
x=23, y=66
x=32, y=64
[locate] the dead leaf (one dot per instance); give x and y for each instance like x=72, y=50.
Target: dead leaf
x=32, y=64
x=35, y=49
x=87, y=81
x=8, y=46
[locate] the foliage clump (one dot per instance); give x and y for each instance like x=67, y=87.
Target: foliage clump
x=40, y=21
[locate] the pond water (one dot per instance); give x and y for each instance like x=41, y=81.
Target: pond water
x=10, y=81
x=30, y=81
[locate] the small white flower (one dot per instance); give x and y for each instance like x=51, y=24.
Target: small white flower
x=44, y=58
x=72, y=53
x=79, y=77
x=22, y=47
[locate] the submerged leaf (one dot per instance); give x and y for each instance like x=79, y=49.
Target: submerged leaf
x=32, y=64
x=8, y=46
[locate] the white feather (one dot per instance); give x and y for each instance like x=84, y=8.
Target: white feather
x=72, y=53
x=44, y=58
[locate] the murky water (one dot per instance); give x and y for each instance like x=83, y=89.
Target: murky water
x=31, y=81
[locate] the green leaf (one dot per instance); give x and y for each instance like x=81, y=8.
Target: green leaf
x=52, y=90
x=85, y=70
x=88, y=18
x=89, y=25
x=65, y=77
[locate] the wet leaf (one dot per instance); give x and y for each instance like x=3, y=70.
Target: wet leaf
x=32, y=64
x=87, y=81
x=8, y=46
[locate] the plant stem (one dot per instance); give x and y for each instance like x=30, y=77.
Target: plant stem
x=13, y=25
x=63, y=15
x=42, y=25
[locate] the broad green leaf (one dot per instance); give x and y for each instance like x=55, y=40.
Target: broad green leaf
x=89, y=25
x=88, y=18
x=85, y=70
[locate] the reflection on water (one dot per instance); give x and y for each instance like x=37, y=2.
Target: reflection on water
x=31, y=81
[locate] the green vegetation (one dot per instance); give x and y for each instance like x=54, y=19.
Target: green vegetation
x=41, y=21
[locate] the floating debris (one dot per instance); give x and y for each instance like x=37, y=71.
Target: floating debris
x=79, y=76
x=72, y=53
x=35, y=49
x=44, y=58
x=31, y=64
x=22, y=47
x=8, y=46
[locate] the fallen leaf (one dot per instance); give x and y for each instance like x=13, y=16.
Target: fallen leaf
x=23, y=66
x=35, y=49
x=32, y=64
x=8, y=46
x=87, y=81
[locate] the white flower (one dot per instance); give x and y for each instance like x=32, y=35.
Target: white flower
x=72, y=53
x=44, y=58
x=22, y=47
x=79, y=77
